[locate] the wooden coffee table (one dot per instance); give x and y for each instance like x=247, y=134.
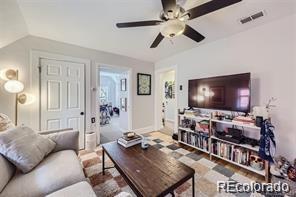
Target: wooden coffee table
x=148, y=172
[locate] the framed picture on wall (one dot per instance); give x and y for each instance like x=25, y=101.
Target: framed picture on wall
x=123, y=84
x=143, y=84
x=123, y=104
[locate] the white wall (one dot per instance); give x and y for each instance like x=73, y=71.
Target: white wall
x=169, y=103
x=268, y=52
x=17, y=55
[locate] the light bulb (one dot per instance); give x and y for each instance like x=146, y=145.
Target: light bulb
x=14, y=86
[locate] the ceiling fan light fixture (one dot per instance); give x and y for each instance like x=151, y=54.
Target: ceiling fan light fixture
x=172, y=28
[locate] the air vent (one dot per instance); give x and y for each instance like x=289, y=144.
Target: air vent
x=252, y=17
x=245, y=20
x=257, y=15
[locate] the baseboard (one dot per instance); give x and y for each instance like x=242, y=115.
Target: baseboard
x=170, y=120
x=144, y=130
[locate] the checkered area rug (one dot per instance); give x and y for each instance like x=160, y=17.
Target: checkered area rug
x=206, y=176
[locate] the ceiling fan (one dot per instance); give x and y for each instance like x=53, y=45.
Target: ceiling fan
x=173, y=19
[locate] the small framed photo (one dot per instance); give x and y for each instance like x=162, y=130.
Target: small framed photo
x=123, y=84
x=123, y=104
x=143, y=84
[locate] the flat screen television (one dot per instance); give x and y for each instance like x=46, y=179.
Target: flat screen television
x=231, y=93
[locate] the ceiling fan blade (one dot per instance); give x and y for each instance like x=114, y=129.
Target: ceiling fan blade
x=138, y=24
x=168, y=5
x=157, y=40
x=191, y=33
x=209, y=7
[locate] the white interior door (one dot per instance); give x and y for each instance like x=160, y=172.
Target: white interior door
x=62, y=96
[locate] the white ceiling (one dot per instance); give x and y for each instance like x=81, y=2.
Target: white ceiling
x=91, y=23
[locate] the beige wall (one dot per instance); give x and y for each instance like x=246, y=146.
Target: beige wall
x=17, y=55
x=268, y=52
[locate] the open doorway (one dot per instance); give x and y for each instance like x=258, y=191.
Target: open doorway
x=166, y=97
x=113, y=102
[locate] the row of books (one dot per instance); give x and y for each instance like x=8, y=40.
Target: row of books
x=231, y=152
x=126, y=141
x=200, y=140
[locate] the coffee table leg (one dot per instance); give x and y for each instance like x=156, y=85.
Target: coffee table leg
x=103, y=162
x=193, y=186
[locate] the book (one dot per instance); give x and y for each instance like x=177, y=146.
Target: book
x=197, y=139
x=129, y=139
x=129, y=144
x=122, y=140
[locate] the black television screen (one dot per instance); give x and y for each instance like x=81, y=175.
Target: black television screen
x=231, y=93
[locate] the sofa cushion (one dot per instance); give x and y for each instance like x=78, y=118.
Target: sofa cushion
x=24, y=148
x=76, y=190
x=58, y=170
x=6, y=172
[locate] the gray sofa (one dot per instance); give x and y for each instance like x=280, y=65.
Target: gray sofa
x=59, y=174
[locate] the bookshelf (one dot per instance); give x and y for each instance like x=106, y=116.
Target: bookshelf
x=212, y=140
x=234, y=123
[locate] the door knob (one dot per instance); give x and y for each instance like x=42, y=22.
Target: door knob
x=82, y=113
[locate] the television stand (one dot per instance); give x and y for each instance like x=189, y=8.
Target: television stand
x=205, y=142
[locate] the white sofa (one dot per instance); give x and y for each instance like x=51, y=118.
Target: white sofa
x=59, y=174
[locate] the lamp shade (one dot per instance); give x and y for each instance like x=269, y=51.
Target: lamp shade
x=13, y=86
x=172, y=28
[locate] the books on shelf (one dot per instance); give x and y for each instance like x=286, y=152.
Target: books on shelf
x=231, y=152
x=129, y=141
x=198, y=139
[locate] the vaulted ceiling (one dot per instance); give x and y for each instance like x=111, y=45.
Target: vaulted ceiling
x=91, y=23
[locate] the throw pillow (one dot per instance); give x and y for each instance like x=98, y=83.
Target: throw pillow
x=24, y=148
x=5, y=122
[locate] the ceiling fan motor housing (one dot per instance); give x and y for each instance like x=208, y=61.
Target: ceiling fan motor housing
x=177, y=12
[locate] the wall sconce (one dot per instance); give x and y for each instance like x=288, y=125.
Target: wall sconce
x=26, y=99
x=14, y=86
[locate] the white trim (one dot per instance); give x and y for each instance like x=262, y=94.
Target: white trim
x=35, y=56
x=144, y=130
x=157, y=109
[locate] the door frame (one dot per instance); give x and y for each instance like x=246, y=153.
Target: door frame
x=35, y=56
x=130, y=92
x=157, y=98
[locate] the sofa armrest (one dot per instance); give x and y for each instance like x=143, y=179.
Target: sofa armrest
x=66, y=139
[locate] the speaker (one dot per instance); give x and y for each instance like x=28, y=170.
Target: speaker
x=259, y=121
